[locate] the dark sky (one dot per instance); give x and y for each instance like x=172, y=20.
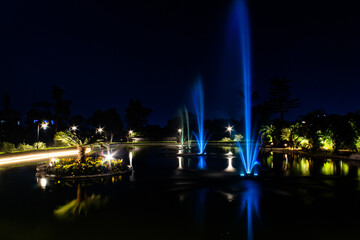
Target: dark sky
x=103, y=53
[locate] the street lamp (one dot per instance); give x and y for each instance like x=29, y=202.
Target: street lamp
x=74, y=128
x=100, y=130
x=43, y=125
x=181, y=136
x=229, y=129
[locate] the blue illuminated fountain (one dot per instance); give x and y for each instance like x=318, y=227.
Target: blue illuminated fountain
x=198, y=99
x=239, y=28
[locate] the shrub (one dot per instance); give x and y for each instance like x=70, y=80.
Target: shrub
x=70, y=167
x=39, y=145
x=225, y=139
x=238, y=137
x=25, y=147
x=7, y=147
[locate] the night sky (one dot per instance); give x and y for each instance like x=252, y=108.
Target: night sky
x=103, y=53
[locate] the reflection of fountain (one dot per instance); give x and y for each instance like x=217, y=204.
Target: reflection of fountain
x=250, y=204
x=202, y=163
x=187, y=129
x=81, y=206
x=200, y=136
x=239, y=26
x=230, y=167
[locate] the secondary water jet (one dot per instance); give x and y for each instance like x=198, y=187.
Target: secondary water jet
x=198, y=99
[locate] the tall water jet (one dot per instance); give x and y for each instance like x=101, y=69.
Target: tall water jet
x=198, y=99
x=239, y=28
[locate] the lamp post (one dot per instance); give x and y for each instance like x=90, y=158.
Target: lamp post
x=130, y=133
x=229, y=129
x=73, y=128
x=99, y=130
x=181, y=136
x=44, y=126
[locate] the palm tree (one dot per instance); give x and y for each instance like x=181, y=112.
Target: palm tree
x=75, y=140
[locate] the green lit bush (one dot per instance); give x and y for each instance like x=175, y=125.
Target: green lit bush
x=25, y=147
x=7, y=147
x=92, y=166
x=39, y=145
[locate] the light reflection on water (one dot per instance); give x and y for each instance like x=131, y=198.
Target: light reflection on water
x=162, y=177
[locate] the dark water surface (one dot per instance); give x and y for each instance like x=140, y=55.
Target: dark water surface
x=172, y=196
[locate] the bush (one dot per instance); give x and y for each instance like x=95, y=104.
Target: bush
x=7, y=147
x=70, y=167
x=39, y=145
x=225, y=139
x=25, y=147
x=238, y=137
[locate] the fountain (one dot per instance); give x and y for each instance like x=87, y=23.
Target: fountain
x=200, y=136
x=239, y=27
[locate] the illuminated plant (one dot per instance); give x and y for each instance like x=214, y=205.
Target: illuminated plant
x=76, y=140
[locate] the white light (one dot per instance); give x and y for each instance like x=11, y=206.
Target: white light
x=229, y=129
x=44, y=125
x=179, y=130
x=241, y=174
x=74, y=128
x=43, y=183
x=109, y=157
x=100, y=130
x=131, y=131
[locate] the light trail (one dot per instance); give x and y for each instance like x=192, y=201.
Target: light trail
x=37, y=156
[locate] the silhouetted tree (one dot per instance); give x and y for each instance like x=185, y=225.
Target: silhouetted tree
x=136, y=115
x=61, y=107
x=280, y=97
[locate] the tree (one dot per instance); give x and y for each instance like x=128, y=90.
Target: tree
x=280, y=97
x=61, y=107
x=136, y=115
x=110, y=120
x=76, y=140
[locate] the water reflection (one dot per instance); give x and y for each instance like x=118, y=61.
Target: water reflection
x=82, y=206
x=328, y=168
x=180, y=162
x=295, y=165
x=250, y=205
x=302, y=167
x=230, y=167
x=202, y=163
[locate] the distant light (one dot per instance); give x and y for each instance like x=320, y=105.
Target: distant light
x=285, y=145
x=43, y=183
x=100, y=130
x=130, y=131
x=74, y=128
x=303, y=122
x=229, y=128
x=255, y=174
x=44, y=125
x=179, y=130
x=242, y=174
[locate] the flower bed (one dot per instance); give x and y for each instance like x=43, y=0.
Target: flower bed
x=92, y=166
